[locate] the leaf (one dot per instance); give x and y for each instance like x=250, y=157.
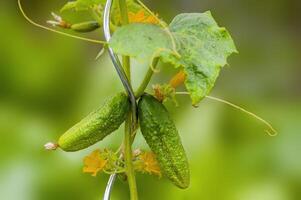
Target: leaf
x=80, y=5
x=141, y=41
x=69, y=6
x=94, y=163
x=203, y=47
x=86, y=5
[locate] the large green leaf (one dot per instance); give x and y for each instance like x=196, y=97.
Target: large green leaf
x=142, y=42
x=204, y=48
x=202, y=45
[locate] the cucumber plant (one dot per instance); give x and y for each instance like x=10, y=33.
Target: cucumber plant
x=193, y=43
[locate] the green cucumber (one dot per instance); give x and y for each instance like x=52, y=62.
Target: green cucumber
x=161, y=135
x=85, y=26
x=97, y=125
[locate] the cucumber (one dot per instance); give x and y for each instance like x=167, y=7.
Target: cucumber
x=161, y=135
x=85, y=26
x=97, y=125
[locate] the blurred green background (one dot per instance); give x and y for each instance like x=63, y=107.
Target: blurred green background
x=48, y=82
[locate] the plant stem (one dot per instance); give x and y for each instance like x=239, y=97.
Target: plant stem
x=126, y=67
x=123, y=12
x=125, y=21
x=128, y=159
x=146, y=79
x=128, y=123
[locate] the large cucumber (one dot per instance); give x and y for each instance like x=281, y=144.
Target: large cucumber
x=97, y=125
x=162, y=137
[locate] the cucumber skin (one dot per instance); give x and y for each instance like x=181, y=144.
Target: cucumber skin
x=162, y=137
x=84, y=27
x=97, y=125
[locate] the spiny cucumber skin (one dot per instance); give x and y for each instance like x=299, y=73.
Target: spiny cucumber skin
x=97, y=125
x=162, y=137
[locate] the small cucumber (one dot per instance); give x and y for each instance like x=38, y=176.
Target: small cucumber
x=85, y=26
x=97, y=125
x=162, y=137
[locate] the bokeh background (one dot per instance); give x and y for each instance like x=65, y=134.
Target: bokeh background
x=48, y=82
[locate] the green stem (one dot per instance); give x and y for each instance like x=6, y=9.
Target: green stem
x=126, y=67
x=128, y=123
x=128, y=159
x=146, y=79
x=125, y=21
x=123, y=12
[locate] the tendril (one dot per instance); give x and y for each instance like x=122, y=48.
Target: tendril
x=55, y=31
x=271, y=132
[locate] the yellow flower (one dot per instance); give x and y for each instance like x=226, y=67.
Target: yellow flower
x=149, y=163
x=140, y=17
x=94, y=163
